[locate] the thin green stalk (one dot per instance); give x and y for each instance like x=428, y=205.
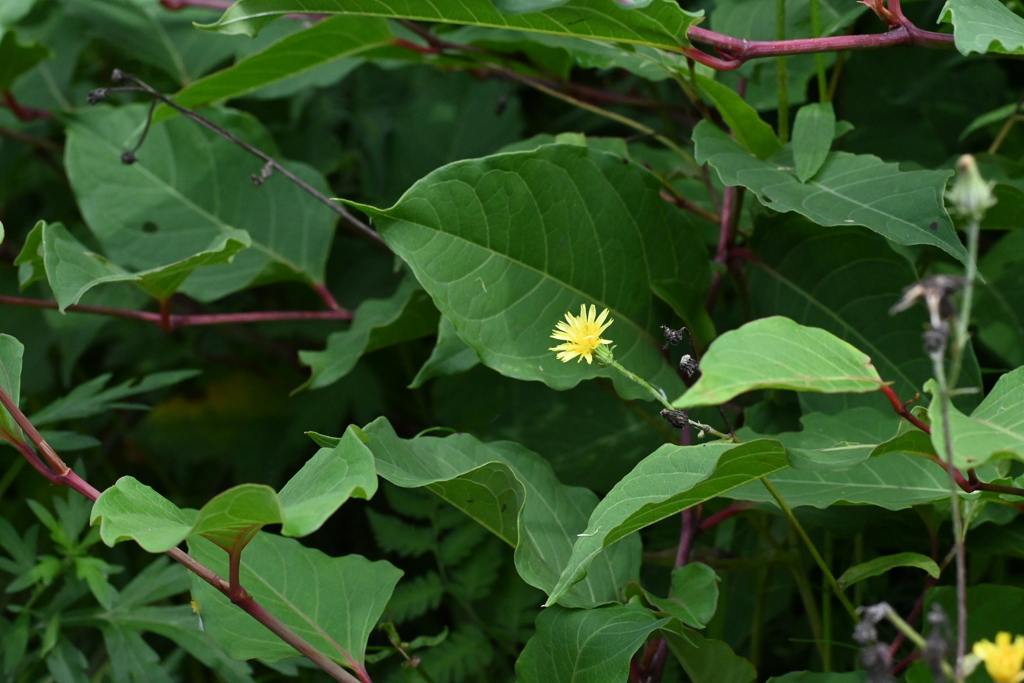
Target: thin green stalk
x=826, y=603
x=967, y=299
x=819, y=58
x=661, y=397
x=913, y=636
x=780, y=33
x=812, y=549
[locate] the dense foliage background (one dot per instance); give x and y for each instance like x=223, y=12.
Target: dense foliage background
x=514, y=175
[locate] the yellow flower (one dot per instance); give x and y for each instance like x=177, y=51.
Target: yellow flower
x=582, y=335
x=1003, y=659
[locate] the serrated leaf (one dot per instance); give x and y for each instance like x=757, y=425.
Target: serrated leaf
x=585, y=646
x=983, y=26
x=693, y=596
x=994, y=427
x=667, y=481
x=503, y=288
x=777, y=353
x=753, y=134
x=406, y=314
x=850, y=189
x=661, y=24
x=813, y=131
x=335, y=38
x=414, y=598
x=880, y=565
x=179, y=208
x=325, y=600
x=513, y=493
x=92, y=397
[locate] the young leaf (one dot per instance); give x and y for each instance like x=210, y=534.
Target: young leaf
x=513, y=493
x=580, y=218
x=669, y=480
x=984, y=26
x=813, y=131
x=693, y=597
x=850, y=189
x=753, y=134
x=131, y=510
x=881, y=565
x=662, y=24
x=326, y=600
x=777, y=353
x=585, y=646
x=450, y=356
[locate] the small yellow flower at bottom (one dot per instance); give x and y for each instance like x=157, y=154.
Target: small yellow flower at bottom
x=1003, y=659
x=582, y=335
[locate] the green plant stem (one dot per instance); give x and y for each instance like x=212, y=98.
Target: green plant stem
x=826, y=604
x=661, y=398
x=913, y=636
x=780, y=33
x=812, y=549
x=967, y=300
x=819, y=59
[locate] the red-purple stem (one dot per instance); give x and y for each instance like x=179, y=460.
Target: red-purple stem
x=169, y=322
x=57, y=472
x=20, y=111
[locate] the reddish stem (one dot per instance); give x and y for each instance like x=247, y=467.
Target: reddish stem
x=901, y=409
x=21, y=112
x=724, y=514
x=170, y=321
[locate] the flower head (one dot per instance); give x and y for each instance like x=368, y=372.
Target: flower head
x=1003, y=659
x=582, y=335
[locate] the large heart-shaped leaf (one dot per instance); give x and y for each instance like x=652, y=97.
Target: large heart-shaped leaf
x=661, y=24
x=507, y=244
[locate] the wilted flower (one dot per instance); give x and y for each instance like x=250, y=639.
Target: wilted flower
x=1003, y=659
x=971, y=194
x=582, y=335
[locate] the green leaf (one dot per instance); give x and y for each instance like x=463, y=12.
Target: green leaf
x=777, y=353
x=406, y=314
x=581, y=219
x=753, y=134
x=11, y=351
x=844, y=280
x=325, y=600
x=895, y=481
x=837, y=442
x=178, y=211
x=67, y=664
x=813, y=131
x=514, y=494
x=449, y=357
x=131, y=510
x=335, y=38
x=15, y=59
x=326, y=481
x=92, y=398
x=662, y=24
x=817, y=677
x=881, y=565
x=850, y=189
x=705, y=660
x=585, y=646
x=669, y=480
x=995, y=426
x=693, y=596
x=984, y=26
